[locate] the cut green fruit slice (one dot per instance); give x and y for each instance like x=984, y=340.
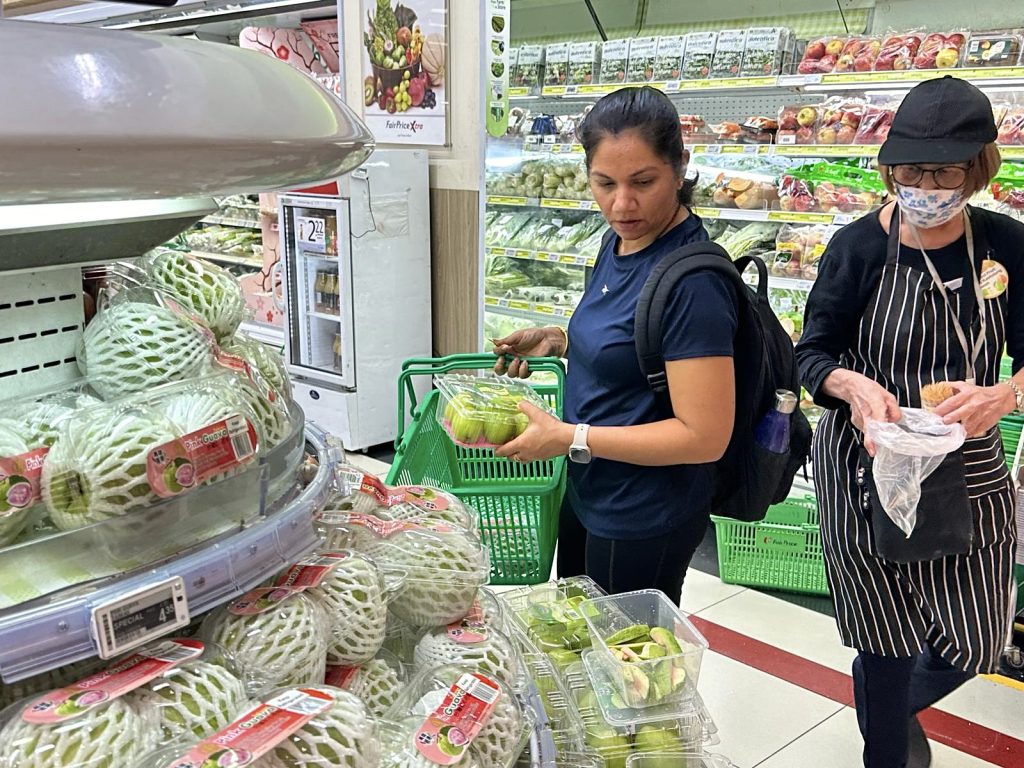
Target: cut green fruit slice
x=629, y=634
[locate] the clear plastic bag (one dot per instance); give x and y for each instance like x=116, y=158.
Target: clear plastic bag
x=907, y=452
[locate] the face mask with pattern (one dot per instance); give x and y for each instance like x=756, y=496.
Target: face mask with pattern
x=929, y=208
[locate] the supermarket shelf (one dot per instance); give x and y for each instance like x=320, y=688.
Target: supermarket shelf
x=781, y=217
x=543, y=202
x=230, y=258
x=54, y=631
x=529, y=310
x=325, y=316
x=571, y=259
x=783, y=283
x=227, y=221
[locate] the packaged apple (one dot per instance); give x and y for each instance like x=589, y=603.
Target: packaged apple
x=668, y=62
x=584, y=63
x=1011, y=129
x=1000, y=49
x=700, y=52
x=821, y=55
x=798, y=124
x=898, y=52
x=483, y=411
x=795, y=195
x=941, y=51
x=556, y=64
x=840, y=120
x=487, y=713
x=875, y=123
x=765, y=51
x=614, y=60
x=529, y=72
x=651, y=651
x=642, y=53
x=728, y=58
x=798, y=250
x=859, y=54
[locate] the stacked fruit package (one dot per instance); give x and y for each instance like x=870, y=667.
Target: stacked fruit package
x=483, y=411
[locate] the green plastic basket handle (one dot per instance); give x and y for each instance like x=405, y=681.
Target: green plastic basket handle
x=431, y=366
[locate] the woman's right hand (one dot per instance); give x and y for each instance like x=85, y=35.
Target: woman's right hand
x=530, y=342
x=868, y=400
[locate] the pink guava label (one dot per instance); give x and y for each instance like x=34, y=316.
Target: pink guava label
x=311, y=571
x=387, y=528
x=417, y=495
x=261, y=600
x=424, y=498
x=450, y=729
x=20, y=481
x=339, y=676
x=472, y=629
x=182, y=464
x=236, y=363
x=127, y=675
x=256, y=732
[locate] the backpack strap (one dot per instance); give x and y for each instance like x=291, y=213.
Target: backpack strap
x=588, y=273
x=650, y=307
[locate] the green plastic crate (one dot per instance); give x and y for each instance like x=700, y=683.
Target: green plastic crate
x=781, y=552
x=518, y=504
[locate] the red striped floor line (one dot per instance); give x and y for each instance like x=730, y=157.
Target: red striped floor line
x=962, y=735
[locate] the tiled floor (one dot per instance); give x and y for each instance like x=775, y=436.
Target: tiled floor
x=765, y=721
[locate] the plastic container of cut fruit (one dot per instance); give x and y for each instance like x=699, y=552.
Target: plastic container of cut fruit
x=680, y=760
x=483, y=411
x=651, y=650
x=503, y=732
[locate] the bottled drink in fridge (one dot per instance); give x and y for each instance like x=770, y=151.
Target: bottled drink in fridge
x=319, y=289
x=772, y=433
x=337, y=296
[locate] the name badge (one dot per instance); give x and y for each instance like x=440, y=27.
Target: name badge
x=994, y=279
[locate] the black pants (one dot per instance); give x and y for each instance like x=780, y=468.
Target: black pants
x=889, y=691
x=621, y=565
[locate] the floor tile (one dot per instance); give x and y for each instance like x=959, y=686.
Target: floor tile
x=798, y=630
x=367, y=464
x=989, y=704
x=756, y=714
x=702, y=590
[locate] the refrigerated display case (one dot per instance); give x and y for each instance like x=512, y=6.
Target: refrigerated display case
x=357, y=293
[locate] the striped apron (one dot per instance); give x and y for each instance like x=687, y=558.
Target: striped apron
x=959, y=604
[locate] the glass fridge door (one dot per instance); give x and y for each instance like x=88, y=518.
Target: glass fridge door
x=318, y=284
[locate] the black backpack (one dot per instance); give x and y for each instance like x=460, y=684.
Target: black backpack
x=749, y=478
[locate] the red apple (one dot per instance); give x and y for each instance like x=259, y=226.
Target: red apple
x=846, y=135
x=815, y=50
x=828, y=62
x=788, y=120
x=805, y=136
x=863, y=64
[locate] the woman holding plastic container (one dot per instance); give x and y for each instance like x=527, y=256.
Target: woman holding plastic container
x=639, y=489
x=911, y=308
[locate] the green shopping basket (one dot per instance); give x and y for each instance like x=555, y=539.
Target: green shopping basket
x=517, y=503
x=781, y=552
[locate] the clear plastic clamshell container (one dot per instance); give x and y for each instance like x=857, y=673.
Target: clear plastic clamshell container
x=563, y=719
x=443, y=566
x=649, y=649
x=377, y=682
x=315, y=726
x=486, y=650
x=680, y=760
x=278, y=635
x=399, y=749
x=483, y=411
x=503, y=734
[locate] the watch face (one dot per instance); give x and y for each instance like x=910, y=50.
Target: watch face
x=579, y=455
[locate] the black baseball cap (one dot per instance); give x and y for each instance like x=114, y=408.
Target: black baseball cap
x=945, y=120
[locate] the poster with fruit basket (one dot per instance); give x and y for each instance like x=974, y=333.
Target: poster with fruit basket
x=405, y=60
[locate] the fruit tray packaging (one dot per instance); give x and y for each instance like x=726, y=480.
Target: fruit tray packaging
x=1011, y=129
x=728, y=59
x=483, y=411
x=681, y=760
x=941, y=50
x=821, y=56
x=668, y=62
x=766, y=51
x=859, y=54
x=735, y=190
x=556, y=64
x=642, y=53
x=875, y=123
x=614, y=60
x=898, y=51
x=502, y=731
x=1000, y=49
x=840, y=120
x=687, y=728
x=798, y=124
x=584, y=63
x=700, y=52
x=798, y=250
x=651, y=651
x=529, y=71
x=563, y=718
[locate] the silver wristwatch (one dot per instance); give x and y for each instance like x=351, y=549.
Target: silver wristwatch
x=579, y=451
x=1018, y=395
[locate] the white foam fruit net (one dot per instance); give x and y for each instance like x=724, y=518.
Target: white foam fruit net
x=352, y=595
x=495, y=656
x=267, y=362
x=133, y=346
x=209, y=291
x=345, y=736
x=96, y=469
x=272, y=419
x=378, y=684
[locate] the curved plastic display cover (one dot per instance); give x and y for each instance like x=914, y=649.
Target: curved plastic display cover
x=108, y=115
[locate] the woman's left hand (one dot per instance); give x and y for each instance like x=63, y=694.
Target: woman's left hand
x=977, y=408
x=545, y=437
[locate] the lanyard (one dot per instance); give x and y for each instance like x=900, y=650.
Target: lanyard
x=970, y=354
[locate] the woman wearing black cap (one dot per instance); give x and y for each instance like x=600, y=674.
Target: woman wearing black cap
x=911, y=296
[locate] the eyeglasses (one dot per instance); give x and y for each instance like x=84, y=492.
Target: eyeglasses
x=946, y=177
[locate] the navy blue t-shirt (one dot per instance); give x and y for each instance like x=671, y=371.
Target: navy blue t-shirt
x=605, y=386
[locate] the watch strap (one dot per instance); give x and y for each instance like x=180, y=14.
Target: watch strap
x=579, y=439
x=1018, y=395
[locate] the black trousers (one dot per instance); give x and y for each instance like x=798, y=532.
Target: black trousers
x=891, y=690
x=621, y=565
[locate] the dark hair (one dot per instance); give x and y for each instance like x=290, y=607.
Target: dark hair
x=649, y=112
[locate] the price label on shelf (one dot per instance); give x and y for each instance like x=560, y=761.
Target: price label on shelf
x=135, y=619
x=672, y=86
x=518, y=93
x=311, y=233
x=801, y=218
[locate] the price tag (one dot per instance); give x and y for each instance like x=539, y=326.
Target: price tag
x=714, y=149
x=311, y=233
x=843, y=218
x=672, y=86
x=750, y=149
x=798, y=80
x=141, y=616
x=515, y=93
x=489, y=301
x=550, y=139
x=544, y=309
x=570, y=90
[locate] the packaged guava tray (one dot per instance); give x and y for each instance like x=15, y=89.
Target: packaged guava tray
x=483, y=411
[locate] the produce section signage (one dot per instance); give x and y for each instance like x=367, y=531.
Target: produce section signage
x=405, y=63
x=497, y=63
